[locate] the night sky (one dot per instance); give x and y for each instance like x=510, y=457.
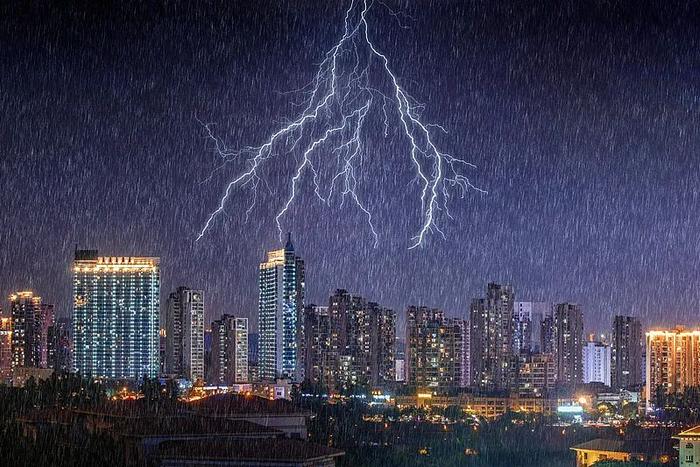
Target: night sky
x=583, y=122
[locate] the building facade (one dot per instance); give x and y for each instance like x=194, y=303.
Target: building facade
x=229, y=351
x=568, y=343
x=547, y=341
x=672, y=362
x=627, y=351
x=537, y=374
x=116, y=315
x=466, y=356
x=31, y=320
x=350, y=342
x=320, y=355
x=184, y=334
x=5, y=350
x=596, y=363
x=528, y=317
x=493, y=365
x=280, y=315
x=434, y=350
x=60, y=346
x=382, y=350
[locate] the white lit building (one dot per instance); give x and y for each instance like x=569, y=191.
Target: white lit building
x=596, y=363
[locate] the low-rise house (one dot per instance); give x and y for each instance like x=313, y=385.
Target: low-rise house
x=689, y=447
x=648, y=450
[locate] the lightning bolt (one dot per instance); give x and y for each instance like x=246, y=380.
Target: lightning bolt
x=327, y=134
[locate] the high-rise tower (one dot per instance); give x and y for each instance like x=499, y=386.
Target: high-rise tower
x=627, y=350
x=116, y=315
x=184, y=334
x=30, y=322
x=280, y=315
x=493, y=363
x=568, y=343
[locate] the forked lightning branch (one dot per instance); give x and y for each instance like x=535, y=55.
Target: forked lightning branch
x=328, y=136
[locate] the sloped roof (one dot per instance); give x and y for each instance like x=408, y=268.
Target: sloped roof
x=650, y=447
x=600, y=444
x=255, y=450
x=692, y=433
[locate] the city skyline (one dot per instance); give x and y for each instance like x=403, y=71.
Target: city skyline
x=351, y=232
x=601, y=328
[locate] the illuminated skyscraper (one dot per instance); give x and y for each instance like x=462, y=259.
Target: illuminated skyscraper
x=229, y=351
x=382, y=350
x=350, y=342
x=434, y=350
x=627, y=350
x=184, y=334
x=568, y=343
x=30, y=322
x=116, y=315
x=672, y=362
x=280, y=315
x=493, y=362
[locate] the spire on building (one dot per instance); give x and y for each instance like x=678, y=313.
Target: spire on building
x=289, y=246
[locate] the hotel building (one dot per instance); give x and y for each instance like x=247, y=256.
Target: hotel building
x=116, y=315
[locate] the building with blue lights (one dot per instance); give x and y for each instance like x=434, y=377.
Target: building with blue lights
x=280, y=315
x=116, y=316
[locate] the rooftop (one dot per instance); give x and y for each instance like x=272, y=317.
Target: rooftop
x=650, y=447
x=691, y=433
x=278, y=449
x=234, y=404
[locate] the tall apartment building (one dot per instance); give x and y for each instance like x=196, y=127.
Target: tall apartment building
x=280, y=315
x=5, y=350
x=350, y=342
x=229, y=351
x=568, y=343
x=537, y=374
x=465, y=381
x=31, y=320
x=116, y=315
x=382, y=349
x=672, y=362
x=528, y=318
x=184, y=334
x=596, y=363
x=434, y=350
x=493, y=365
x=547, y=335
x=350, y=325
x=627, y=350
x=46, y=321
x=320, y=355
x=60, y=345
